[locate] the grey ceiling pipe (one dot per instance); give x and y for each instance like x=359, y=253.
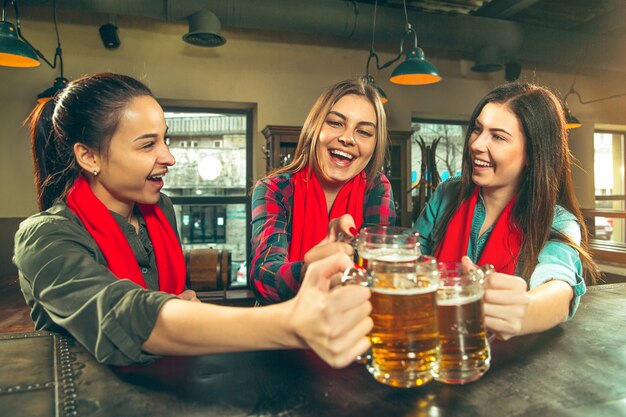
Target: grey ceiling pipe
x=345, y=19
x=204, y=30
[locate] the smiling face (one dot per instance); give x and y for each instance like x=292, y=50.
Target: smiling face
x=498, y=149
x=346, y=141
x=138, y=157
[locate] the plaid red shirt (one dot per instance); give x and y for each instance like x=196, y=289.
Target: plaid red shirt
x=274, y=277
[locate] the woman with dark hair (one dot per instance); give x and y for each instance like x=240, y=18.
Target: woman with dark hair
x=333, y=185
x=514, y=207
x=103, y=260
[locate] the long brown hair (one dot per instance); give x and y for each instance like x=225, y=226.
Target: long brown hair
x=548, y=179
x=305, y=151
x=87, y=111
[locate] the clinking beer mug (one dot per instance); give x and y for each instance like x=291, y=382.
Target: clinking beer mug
x=375, y=241
x=405, y=337
x=372, y=242
x=465, y=352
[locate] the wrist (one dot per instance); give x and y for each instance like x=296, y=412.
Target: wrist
x=291, y=330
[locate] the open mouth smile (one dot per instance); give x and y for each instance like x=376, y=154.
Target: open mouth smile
x=341, y=155
x=156, y=177
x=485, y=164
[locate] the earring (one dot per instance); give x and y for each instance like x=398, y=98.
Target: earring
x=95, y=173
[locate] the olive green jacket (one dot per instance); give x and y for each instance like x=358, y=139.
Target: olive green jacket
x=66, y=283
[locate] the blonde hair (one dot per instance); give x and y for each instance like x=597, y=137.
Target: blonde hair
x=305, y=151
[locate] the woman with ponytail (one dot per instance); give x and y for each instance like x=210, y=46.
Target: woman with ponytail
x=103, y=261
x=514, y=207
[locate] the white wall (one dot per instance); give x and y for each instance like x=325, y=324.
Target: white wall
x=282, y=74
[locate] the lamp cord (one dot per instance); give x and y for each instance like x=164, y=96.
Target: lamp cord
x=372, y=51
x=406, y=14
x=572, y=91
x=374, y=26
x=408, y=31
x=58, y=54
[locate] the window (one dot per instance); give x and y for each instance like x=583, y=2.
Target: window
x=436, y=155
x=447, y=137
x=609, y=179
x=210, y=181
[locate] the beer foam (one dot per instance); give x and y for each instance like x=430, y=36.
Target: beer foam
x=395, y=257
x=409, y=291
x=457, y=301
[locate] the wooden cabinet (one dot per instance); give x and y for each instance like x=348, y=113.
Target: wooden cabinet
x=280, y=146
x=398, y=171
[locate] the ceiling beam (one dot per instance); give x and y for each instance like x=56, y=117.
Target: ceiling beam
x=613, y=23
x=504, y=9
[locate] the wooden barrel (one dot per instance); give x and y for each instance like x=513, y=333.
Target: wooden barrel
x=208, y=269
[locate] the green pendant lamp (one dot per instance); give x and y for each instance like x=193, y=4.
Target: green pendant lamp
x=59, y=84
x=571, y=121
x=415, y=70
x=370, y=80
x=14, y=52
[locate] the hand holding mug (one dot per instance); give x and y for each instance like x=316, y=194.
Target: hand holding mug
x=506, y=301
x=333, y=322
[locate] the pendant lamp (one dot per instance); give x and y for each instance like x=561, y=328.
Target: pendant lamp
x=415, y=69
x=571, y=121
x=15, y=51
x=59, y=84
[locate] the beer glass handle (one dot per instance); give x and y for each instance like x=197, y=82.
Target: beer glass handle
x=355, y=275
x=350, y=240
x=483, y=271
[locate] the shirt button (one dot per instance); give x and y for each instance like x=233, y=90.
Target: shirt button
x=144, y=270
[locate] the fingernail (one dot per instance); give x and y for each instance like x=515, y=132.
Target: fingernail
x=354, y=231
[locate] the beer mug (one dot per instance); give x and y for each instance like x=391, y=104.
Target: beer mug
x=405, y=339
x=376, y=241
x=465, y=352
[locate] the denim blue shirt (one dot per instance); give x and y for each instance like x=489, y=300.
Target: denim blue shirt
x=557, y=260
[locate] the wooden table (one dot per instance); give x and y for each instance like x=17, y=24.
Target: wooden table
x=575, y=369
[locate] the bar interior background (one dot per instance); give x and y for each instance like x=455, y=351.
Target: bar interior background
x=279, y=70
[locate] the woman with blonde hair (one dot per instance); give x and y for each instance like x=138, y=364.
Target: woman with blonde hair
x=333, y=185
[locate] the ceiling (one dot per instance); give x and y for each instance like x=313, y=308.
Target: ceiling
x=599, y=17
x=568, y=35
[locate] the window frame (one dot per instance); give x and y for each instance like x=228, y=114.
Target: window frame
x=464, y=123
x=614, y=197
x=189, y=106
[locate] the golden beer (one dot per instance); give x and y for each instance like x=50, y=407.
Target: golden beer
x=465, y=353
x=405, y=343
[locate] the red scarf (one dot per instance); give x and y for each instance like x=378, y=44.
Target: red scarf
x=502, y=248
x=101, y=225
x=309, y=224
